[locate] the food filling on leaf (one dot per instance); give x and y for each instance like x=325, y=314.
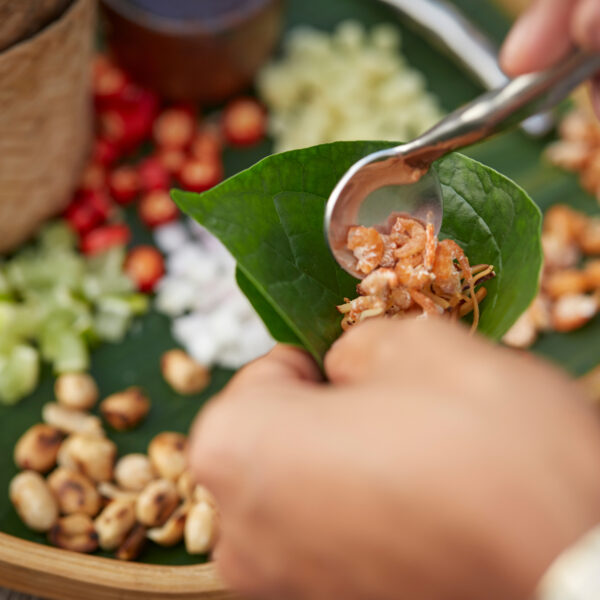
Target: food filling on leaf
x=410, y=273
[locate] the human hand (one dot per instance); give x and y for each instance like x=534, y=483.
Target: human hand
x=547, y=32
x=433, y=465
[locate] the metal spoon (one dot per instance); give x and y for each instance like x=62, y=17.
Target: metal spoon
x=399, y=180
x=449, y=29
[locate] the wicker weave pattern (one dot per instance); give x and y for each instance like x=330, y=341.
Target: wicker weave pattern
x=45, y=121
x=22, y=18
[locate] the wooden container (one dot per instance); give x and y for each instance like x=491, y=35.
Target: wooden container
x=61, y=575
x=45, y=121
x=208, y=58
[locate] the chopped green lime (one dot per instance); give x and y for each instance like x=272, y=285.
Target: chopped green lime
x=19, y=372
x=52, y=296
x=57, y=234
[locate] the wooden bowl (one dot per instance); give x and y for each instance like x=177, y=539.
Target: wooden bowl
x=62, y=575
x=205, y=58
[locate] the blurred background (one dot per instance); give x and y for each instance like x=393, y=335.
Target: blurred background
x=104, y=108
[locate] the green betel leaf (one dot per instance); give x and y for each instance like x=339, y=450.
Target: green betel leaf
x=270, y=217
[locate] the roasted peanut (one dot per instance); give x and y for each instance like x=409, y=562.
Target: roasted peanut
x=564, y=222
x=110, y=491
x=134, y=472
x=590, y=176
x=200, y=531
x=577, y=125
x=38, y=447
x=540, y=313
x=71, y=421
x=171, y=532
x=558, y=254
x=33, y=500
x=186, y=485
x=188, y=489
x=114, y=523
x=573, y=311
x=568, y=281
x=592, y=273
x=133, y=544
x=590, y=238
x=92, y=455
x=183, y=373
x=126, y=409
x=75, y=532
x=201, y=494
x=156, y=502
x=167, y=452
x=76, y=390
x=572, y=155
x=522, y=334
x=74, y=492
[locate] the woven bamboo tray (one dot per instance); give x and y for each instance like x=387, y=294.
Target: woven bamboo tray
x=45, y=121
x=52, y=573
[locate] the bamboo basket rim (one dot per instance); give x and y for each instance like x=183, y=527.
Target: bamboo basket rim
x=110, y=574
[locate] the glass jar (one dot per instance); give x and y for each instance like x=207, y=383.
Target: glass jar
x=205, y=50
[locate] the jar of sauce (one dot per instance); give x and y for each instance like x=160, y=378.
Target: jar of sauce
x=203, y=50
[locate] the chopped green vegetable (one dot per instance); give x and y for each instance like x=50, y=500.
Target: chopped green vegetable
x=52, y=296
x=19, y=372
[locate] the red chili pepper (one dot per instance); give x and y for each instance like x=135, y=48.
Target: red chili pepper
x=99, y=201
x=89, y=209
x=207, y=144
x=145, y=266
x=244, y=122
x=124, y=184
x=129, y=124
x=80, y=217
x=142, y=109
x=103, y=238
x=105, y=152
x=153, y=176
x=109, y=83
x=93, y=177
x=174, y=128
x=199, y=175
x=156, y=208
x=172, y=159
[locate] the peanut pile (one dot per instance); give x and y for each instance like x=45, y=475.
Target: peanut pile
x=90, y=499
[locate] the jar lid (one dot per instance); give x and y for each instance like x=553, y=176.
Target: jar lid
x=185, y=14
x=192, y=9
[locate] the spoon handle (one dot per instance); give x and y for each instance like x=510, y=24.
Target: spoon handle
x=446, y=27
x=502, y=108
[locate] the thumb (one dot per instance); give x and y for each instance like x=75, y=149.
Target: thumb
x=231, y=432
x=539, y=38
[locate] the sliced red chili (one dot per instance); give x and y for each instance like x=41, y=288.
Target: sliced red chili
x=145, y=266
x=156, y=208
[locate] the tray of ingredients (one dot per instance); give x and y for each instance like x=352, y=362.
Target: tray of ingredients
x=194, y=241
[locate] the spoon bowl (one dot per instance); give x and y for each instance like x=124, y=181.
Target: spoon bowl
x=372, y=192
